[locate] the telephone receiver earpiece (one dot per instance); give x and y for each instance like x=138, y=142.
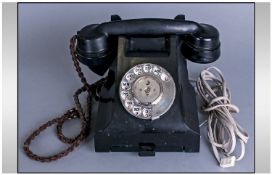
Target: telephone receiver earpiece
x=97, y=43
x=202, y=47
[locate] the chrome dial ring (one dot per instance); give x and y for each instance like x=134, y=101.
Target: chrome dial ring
x=147, y=91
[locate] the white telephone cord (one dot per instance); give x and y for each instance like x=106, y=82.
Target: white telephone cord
x=223, y=130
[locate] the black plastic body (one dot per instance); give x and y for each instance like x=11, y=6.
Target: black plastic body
x=177, y=130
x=121, y=44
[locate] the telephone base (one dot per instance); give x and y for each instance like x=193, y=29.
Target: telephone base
x=177, y=130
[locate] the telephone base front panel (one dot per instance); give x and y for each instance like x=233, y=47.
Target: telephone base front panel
x=175, y=131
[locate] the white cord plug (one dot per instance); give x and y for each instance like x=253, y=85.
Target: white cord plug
x=227, y=162
x=223, y=130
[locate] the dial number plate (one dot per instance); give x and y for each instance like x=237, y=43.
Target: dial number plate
x=147, y=91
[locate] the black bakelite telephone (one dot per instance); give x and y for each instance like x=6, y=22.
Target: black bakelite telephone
x=154, y=107
x=147, y=103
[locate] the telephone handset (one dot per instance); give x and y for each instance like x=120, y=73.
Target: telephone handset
x=97, y=43
x=154, y=106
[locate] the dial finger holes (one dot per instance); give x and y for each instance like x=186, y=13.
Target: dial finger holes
x=164, y=77
x=147, y=91
x=130, y=77
x=124, y=95
x=147, y=68
x=125, y=85
x=147, y=112
x=129, y=104
x=138, y=70
x=156, y=70
x=137, y=110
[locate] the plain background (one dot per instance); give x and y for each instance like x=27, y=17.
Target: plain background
x=47, y=81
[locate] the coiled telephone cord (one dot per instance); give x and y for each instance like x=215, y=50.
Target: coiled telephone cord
x=74, y=113
x=223, y=130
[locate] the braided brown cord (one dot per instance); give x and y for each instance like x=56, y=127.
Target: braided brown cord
x=74, y=113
